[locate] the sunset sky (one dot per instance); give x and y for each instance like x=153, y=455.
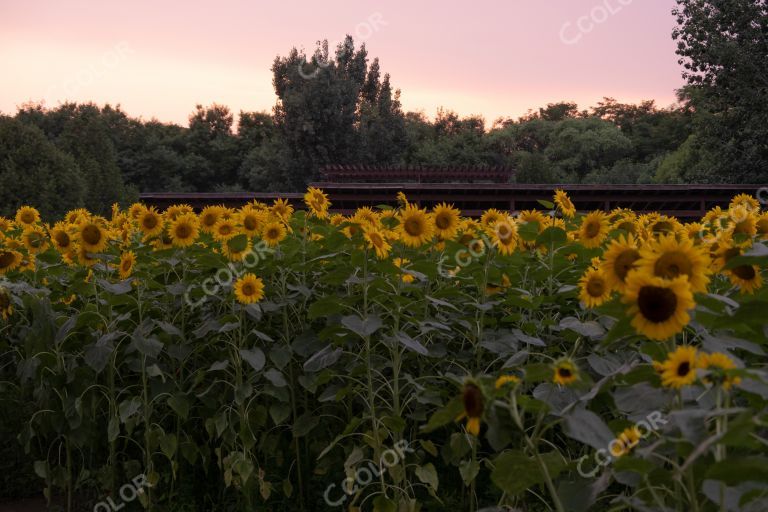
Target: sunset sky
x=160, y=58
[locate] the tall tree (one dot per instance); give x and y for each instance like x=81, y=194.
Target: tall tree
x=723, y=48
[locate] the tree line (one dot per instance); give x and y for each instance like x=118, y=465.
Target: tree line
x=340, y=108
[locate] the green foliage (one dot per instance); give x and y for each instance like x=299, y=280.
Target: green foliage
x=34, y=171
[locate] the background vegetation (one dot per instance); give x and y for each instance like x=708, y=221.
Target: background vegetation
x=348, y=112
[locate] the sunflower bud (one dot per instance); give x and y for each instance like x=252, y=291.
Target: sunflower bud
x=473, y=401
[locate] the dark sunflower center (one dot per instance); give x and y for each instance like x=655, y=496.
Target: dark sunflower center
x=592, y=229
x=273, y=233
x=473, y=401
x=6, y=259
x=672, y=264
x=27, y=217
x=662, y=227
x=413, y=227
x=376, y=240
x=91, y=234
x=625, y=262
x=249, y=223
x=443, y=221
x=657, y=304
x=627, y=226
x=149, y=222
x=248, y=289
x=62, y=238
x=745, y=272
x=564, y=372
x=683, y=369
x=210, y=219
x=183, y=231
x=596, y=287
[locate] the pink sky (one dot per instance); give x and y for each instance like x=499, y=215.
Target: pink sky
x=160, y=58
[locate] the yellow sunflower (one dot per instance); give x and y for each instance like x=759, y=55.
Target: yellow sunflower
x=281, y=208
x=234, y=253
x=27, y=216
x=317, y=202
x=747, y=201
x=251, y=220
x=669, y=258
x=249, y=289
x=35, y=239
x=224, y=230
x=365, y=215
x=273, y=233
x=527, y=216
x=505, y=235
x=447, y=220
x=209, y=217
x=594, y=229
x=625, y=441
x=376, y=240
x=91, y=236
x=490, y=217
x=150, y=222
x=565, y=372
x=564, y=204
x=504, y=380
x=399, y=263
x=595, y=289
x=742, y=221
x=619, y=259
x=680, y=368
x=5, y=225
x=761, y=225
x=415, y=227
x=658, y=307
x=6, y=306
x=184, y=230
x=177, y=210
x=127, y=261
x=719, y=366
x=746, y=277
x=9, y=260
x=135, y=210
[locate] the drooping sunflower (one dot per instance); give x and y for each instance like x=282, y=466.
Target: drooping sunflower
x=376, y=241
x=565, y=372
x=668, y=258
x=184, y=230
x=91, y=236
x=680, y=368
x=224, y=230
x=35, y=239
x=625, y=441
x=505, y=380
x=595, y=289
x=474, y=405
x=719, y=366
x=249, y=289
x=27, y=216
x=150, y=222
x=594, y=229
x=209, y=217
x=658, y=307
x=447, y=220
x=619, y=259
x=364, y=215
x=402, y=199
x=415, y=228
x=127, y=261
x=273, y=233
x=6, y=306
x=317, y=202
x=9, y=260
x=564, y=204
x=505, y=235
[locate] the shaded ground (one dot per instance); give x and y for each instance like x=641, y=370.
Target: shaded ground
x=25, y=505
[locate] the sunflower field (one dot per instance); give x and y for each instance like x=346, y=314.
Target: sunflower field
x=397, y=359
